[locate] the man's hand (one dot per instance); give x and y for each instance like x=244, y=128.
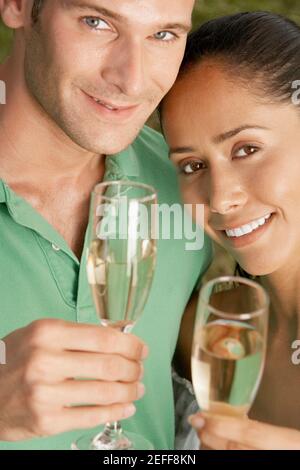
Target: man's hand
x=40, y=382
x=230, y=433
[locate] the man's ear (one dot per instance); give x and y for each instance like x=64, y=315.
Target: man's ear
x=13, y=12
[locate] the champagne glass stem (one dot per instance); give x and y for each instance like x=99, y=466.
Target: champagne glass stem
x=111, y=438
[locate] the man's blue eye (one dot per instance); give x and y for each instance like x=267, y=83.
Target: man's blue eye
x=96, y=23
x=165, y=36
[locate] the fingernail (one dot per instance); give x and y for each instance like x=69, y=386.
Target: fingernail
x=196, y=421
x=145, y=352
x=140, y=390
x=129, y=411
x=142, y=372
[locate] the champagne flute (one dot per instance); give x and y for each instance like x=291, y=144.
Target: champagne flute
x=229, y=344
x=120, y=267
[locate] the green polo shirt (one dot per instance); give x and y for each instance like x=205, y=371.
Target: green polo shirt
x=40, y=277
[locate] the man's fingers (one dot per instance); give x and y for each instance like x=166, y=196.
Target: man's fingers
x=50, y=367
x=82, y=417
x=88, y=392
x=62, y=335
x=89, y=417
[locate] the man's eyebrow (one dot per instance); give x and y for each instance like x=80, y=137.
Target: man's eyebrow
x=182, y=27
x=68, y=4
x=219, y=139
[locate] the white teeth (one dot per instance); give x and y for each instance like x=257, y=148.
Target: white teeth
x=261, y=221
x=105, y=105
x=238, y=232
x=254, y=225
x=108, y=107
x=245, y=229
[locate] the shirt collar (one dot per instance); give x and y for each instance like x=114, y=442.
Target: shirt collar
x=121, y=165
x=24, y=214
x=2, y=192
x=124, y=163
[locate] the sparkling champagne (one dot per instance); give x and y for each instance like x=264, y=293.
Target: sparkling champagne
x=120, y=281
x=227, y=363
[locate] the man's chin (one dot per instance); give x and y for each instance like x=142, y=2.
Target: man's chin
x=105, y=146
x=100, y=137
x=115, y=143
x=96, y=139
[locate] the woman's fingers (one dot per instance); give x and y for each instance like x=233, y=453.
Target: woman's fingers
x=243, y=433
x=210, y=441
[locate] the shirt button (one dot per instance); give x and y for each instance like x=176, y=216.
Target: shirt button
x=55, y=247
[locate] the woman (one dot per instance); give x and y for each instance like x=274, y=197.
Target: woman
x=232, y=122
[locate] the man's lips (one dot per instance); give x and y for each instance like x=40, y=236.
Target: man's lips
x=112, y=106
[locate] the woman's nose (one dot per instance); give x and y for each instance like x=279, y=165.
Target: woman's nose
x=226, y=193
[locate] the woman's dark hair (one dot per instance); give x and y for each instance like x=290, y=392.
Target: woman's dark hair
x=259, y=46
x=239, y=271
x=36, y=9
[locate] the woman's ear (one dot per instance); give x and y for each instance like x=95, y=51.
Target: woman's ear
x=13, y=12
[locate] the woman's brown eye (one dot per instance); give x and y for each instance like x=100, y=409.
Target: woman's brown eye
x=191, y=167
x=246, y=151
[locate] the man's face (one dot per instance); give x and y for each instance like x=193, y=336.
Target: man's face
x=126, y=54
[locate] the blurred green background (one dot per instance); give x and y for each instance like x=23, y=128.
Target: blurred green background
x=205, y=9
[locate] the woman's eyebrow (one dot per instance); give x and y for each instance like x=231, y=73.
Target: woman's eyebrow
x=180, y=150
x=219, y=139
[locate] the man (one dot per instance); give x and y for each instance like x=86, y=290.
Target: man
x=82, y=78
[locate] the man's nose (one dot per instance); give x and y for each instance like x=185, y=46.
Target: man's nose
x=125, y=68
x=227, y=192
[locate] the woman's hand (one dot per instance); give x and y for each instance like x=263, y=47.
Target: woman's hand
x=230, y=433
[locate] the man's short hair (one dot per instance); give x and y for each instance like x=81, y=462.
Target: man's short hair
x=36, y=8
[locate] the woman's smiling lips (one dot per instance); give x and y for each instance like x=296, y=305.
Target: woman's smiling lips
x=111, y=110
x=237, y=235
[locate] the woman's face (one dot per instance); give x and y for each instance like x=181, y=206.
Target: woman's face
x=238, y=155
